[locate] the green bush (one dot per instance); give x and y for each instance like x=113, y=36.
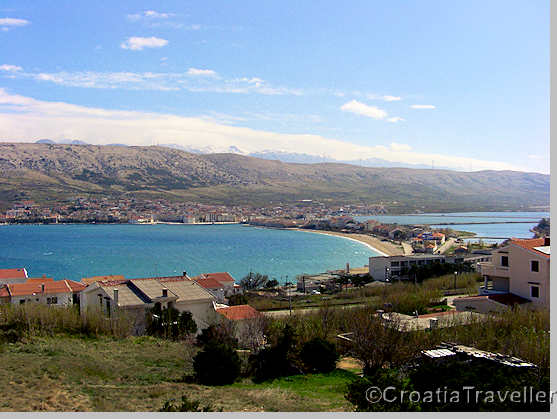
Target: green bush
x=318, y=355
x=279, y=360
x=237, y=300
x=186, y=405
x=170, y=323
x=217, y=364
x=217, y=334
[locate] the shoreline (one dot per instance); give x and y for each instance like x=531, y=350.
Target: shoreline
x=370, y=242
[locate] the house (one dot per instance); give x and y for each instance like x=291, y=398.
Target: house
x=226, y=281
x=517, y=274
x=43, y=291
x=247, y=324
x=136, y=296
x=12, y=276
x=239, y=312
x=385, y=268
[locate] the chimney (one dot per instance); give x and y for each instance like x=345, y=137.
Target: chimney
x=433, y=322
x=115, y=298
x=546, y=241
x=184, y=274
x=42, y=288
x=164, y=292
x=347, y=268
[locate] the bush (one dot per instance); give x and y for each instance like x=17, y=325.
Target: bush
x=217, y=364
x=217, y=334
x=170, y=323
x=185, y=406
x=318, y=355
x=237, y=300
x=278, y=360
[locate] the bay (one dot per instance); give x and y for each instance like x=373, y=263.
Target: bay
x=75, y=251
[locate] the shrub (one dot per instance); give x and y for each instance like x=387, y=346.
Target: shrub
x=170, y=323
x=318, y=355
x=279, y=360
x=185, y=406
x=237, y=300
x=217, y=334
x=217, y=364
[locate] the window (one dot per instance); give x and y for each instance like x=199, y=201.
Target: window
x=21, y=301
x=504, y=261
x=534, y=266
x=54, y=300
x=49, y=300
x=394, y=263
x=534, y=291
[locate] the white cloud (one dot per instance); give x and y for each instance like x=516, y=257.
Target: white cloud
x=400, y=147
x=137, y=43
x=10, y=68
x=27, y=119
x=8, y=23
x=422, y=106
x=395, y=119
x=536, y=156
x=149, y=14
x=360, y=108
x=200, y=72
x=388, y=98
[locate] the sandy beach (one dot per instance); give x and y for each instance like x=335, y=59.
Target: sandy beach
x=382, y=247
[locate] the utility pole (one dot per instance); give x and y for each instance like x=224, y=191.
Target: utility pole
x=289, y=296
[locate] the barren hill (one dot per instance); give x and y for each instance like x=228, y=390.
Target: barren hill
x=55, y=171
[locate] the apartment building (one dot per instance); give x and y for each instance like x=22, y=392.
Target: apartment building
x=517, y=274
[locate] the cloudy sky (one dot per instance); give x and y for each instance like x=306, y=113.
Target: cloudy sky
x=457, y=84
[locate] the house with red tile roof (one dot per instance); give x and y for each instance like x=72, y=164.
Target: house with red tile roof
x=12, y=276
x=42, y=291
x=220, y=283
x=517, y=274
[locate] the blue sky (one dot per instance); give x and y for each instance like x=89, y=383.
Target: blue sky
x=462, y=84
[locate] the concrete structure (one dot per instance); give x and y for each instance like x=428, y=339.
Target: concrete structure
x=518, y=274
x=226, y=281
x=136, y=296
x=42, y=291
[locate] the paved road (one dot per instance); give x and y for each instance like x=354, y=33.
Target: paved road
x=446, y=246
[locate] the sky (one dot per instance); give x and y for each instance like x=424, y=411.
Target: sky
x=449, y=84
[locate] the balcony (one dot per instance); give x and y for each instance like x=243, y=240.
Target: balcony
x=489, y=269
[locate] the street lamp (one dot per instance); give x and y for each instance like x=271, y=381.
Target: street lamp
x=387, y=270
x=455, y=273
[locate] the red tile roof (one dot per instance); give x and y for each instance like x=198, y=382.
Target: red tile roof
x=13, y=273
x=38, y=280
x=4, y=292
x=50, y=287
x=222, y=277
x=241, y=312
x=530, y=244
x=208, y=283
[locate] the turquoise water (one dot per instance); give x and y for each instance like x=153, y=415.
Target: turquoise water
x=519, y=230
x=77, y=251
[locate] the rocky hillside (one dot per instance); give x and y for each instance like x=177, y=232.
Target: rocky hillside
x=56, y=171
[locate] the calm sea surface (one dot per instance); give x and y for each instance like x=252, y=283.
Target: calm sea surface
x=76, y=251
x=519, y=230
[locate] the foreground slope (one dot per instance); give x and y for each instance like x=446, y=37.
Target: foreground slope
x=50, y=171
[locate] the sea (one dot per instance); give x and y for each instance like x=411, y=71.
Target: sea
x=74, y=251
x=495, y=227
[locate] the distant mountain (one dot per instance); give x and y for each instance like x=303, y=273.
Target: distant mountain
x=310, y=158
x=64, y=141
x=53, y=171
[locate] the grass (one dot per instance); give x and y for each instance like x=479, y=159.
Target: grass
x=71, y=373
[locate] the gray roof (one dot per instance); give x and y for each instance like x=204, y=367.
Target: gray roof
x=187, y=290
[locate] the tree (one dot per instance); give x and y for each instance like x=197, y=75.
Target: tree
x=217, y=364
x=318, y=355
x=169, y=322
x=272, y=283
x=221, y=333
x=237, y=300
x=253, y=281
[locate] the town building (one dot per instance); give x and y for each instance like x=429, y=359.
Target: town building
x=13, y=276
x=136, y=296
x=42, y=291
x=386, y=268
x=517, y=274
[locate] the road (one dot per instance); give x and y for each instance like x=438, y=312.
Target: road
x=446, y=246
